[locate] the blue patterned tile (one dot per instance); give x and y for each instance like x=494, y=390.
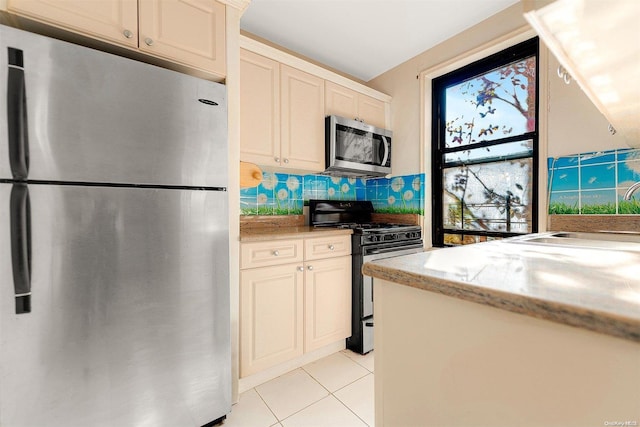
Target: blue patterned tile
x=628, y=172
x=598, y=176
x=598, y=202
x=564, y=202
x=294, y=184
x=628, y=154
x=597, y=157
x=397, y=185
x=370, y=192
x=295, y=207
x=249, y=203
x=564, y=162
x=564, y=179
x=347, y=189
x=249, y=192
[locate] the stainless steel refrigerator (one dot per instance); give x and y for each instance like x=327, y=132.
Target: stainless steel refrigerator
x=114, y=282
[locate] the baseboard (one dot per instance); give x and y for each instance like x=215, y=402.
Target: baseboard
x=247, y=383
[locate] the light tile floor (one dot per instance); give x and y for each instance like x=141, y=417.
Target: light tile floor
x=334, y=391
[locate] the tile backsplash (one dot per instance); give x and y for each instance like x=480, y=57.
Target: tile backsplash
x=594, y=183
x=284, y=194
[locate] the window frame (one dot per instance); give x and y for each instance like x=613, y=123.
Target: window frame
x=519, y=51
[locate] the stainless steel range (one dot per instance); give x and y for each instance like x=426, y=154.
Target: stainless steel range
x=370, y=241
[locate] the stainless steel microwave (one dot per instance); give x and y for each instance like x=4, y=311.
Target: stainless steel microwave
x=354, y=148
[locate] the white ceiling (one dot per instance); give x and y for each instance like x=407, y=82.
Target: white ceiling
x=364, y=38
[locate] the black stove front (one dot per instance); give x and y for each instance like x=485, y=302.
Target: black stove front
x=370, y=241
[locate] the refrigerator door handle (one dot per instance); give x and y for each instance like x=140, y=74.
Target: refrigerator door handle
x=20, y=213
x=17, y=116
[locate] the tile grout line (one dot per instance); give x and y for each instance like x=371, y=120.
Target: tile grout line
x=351, y=410
x=265, y=404
x=279, y=421
x=311, y=404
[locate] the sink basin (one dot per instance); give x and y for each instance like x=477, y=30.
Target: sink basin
x=612, y=241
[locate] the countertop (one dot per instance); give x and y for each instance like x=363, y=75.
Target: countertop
x=591, y=288
x=259, y=234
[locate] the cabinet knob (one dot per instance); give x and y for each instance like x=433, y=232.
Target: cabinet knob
x=310, y=267
x=277, y=159
x=331, y=247
x=286, y=160
x=148, y=41
x=128, y=34
x=276, y=253
x=300, y=268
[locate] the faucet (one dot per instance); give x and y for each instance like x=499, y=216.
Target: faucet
x=632, y=189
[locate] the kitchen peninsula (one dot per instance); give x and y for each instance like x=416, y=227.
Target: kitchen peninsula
x=509, y=333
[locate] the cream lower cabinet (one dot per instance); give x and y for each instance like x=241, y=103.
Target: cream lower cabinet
x=189, y=32
x=291, y=308
x=271, y=316
x=327, y=301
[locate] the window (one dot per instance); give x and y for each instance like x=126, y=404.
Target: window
x=484, y=148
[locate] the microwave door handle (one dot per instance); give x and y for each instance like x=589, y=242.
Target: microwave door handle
x=385, y=143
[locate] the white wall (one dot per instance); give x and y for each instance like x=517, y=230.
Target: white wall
x=574, y=124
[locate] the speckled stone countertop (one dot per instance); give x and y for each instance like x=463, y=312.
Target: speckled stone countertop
x=594, y=288
x=279, y=233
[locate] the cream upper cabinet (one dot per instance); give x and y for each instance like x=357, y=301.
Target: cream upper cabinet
x=281, y=115
x=113, y=20
x=188, y=32
x=345, y=102
x=259, y=109
x=302, y=119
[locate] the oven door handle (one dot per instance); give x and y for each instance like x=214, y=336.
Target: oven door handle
x=374, y=254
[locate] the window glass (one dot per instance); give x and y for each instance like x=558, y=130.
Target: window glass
x=488, y=196
x=485, y=148
x=492, y=105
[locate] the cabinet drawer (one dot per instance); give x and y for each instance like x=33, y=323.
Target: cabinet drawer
x=274, y=252
x=327, y=247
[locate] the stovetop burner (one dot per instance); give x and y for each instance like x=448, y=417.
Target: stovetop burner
x=373, y=227
x=357, y=216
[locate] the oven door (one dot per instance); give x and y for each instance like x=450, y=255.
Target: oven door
x=372, y=253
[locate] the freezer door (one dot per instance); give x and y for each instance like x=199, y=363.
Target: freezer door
x=89, y=116
x=129, y=316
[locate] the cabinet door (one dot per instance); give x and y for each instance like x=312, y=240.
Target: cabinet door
x=271, y=316
x=327, y=302
x=189, y=31
x=302, y=115
x=259, y=109
x=372, y=111
x=113, y=20
x=340, y=101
